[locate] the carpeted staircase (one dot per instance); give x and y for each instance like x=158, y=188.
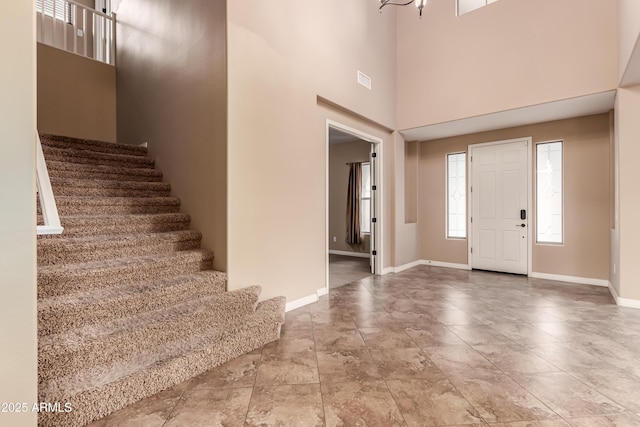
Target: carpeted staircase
x=128, y=302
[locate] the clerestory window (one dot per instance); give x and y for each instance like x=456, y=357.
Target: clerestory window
x=466, y=6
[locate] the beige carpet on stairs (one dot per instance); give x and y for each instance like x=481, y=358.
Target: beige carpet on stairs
x=128, y=302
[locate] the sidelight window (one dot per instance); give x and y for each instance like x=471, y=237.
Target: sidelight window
x=456, y=195
x=549, y=209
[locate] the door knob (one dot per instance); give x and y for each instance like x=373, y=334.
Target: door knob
x=521, y=225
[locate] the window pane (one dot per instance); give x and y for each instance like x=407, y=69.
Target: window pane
x=456, y=195
x=465, y=6
x=365, y=216
x=365, y=209
x=549, y=213
x=366, y=180
x=48, y=8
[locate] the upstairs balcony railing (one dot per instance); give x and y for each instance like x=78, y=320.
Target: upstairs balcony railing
x=76, y=28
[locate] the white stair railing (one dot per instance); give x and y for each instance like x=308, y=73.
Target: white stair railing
x=76, y=28
x=45, y=194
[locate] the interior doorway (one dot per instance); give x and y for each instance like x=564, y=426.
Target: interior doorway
x=353, y=250
x=500, y=189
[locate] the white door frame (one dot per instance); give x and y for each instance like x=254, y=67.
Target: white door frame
x=378, y=210
x=529, y=143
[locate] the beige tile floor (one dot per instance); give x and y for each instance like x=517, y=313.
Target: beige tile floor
x=426, y=347
x=347, y=269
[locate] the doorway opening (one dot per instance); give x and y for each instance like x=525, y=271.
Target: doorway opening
x=353, y=203
x=500, y=189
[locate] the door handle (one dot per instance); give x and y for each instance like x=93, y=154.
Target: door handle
x=521, y=225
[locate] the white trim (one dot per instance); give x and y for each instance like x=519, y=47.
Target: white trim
x=49, y=229
x=301, y=302
x=570, y=279
x=446, y=264
x=429, y=262
x=623, y=302
x=379, y=198
x=614, y=293
x=529, y=144
x=347, y=253
x=530, y=180
x=48, y=205
x=404, y=267
x=309, y=299
x=326, y=216
x=388, y=270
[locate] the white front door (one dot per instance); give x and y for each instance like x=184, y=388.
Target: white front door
x=500, y=213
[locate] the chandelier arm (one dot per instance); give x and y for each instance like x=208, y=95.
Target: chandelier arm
x=385, y=3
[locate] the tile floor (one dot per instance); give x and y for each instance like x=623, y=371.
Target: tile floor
x=347, y=269
x=426, y=347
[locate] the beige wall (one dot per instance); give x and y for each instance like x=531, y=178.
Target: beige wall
x=280, y=60
x=406, y=237
x=76, y=95
x=411, y=181
x=432, y=201
x=586, y=196
x=628, y=33
x=339, y=156
x=507, y=55
x=18, y=352
x=172, y=92
x=628, y=231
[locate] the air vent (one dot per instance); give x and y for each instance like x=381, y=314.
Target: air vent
x=364, y=80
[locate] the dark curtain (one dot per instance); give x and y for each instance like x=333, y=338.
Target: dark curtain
x=354, y=199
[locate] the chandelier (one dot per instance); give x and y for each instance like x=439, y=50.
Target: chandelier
x=419, y=4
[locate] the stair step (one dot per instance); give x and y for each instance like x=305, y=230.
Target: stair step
x=56, y=280
x=81, y=205
x=128, y=304
x=58, y=314
x=88, y=157
x=96, y=225
x=94, y=248
x=124, y=339
x=93, y=145
x=58, y=169
x=100, y=390
x=108, y=188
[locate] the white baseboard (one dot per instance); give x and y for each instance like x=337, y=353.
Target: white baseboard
x=309, y=299
x=571, y=279
x=387, y=270
x=404, y=267
x=412, y=264
x=347, y=253
x=301, y=302
x=623, y=302
x=445, y=264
